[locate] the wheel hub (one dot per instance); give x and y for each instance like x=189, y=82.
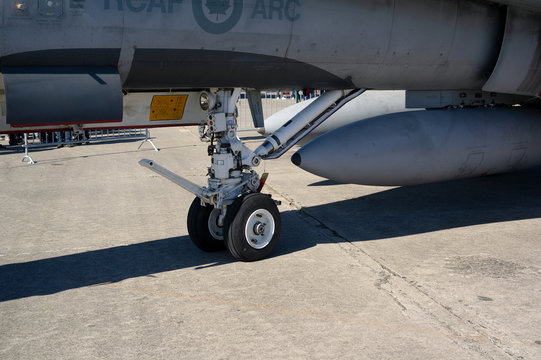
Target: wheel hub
x=215, y=230
x=259, y=229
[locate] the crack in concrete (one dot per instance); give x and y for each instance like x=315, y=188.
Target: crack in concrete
x=385, y=283
x=392, y=274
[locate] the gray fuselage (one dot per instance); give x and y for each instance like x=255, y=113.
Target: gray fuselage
x=263, y=44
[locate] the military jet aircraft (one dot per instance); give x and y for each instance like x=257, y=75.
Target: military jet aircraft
x=114, y=63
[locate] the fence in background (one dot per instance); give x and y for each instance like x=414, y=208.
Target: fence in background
x=69, y=138
x=272, y=102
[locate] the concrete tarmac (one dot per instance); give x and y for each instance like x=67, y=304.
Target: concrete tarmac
x=96, y=263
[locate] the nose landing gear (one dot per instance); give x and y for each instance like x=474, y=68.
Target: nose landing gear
x=231, y=212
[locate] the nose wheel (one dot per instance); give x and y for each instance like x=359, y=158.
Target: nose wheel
x=250, y=231
x=203, y=227
x=252, y=227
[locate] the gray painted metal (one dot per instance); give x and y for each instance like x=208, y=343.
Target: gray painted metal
x=136, y=114
x=460, y=98
x=404, y=44
x=304, y=122
x=534, y=5
x=179, y=180
x=90, y=27
x=256, y=107
x=301, y=121
x=421, y=44
x=426, y=146
x=67, y=95
x=371, y=103
x=176, y=44
x=518, y=70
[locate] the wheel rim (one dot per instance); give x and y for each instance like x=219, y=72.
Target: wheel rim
x=215, y=230
x=259, y=229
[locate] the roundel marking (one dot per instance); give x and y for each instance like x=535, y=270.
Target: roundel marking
x=219, y=9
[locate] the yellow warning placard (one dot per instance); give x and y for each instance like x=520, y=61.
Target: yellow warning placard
x=167, y=107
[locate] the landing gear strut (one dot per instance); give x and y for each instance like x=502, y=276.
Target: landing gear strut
x=230, y=212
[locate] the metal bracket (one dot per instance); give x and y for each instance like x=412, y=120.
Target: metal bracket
x=275, y=148
x=179, y=180
x=256, y=107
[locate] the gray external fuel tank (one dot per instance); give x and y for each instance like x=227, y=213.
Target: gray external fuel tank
x=420, y=147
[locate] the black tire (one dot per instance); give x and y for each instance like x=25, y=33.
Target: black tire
x=243, y=217
x=198, y=228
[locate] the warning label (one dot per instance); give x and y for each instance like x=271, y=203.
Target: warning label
x=167, y=107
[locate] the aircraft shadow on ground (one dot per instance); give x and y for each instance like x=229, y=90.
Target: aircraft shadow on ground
x=54, y=275
x=391, y=213
x=404, y=211
x=326, y=183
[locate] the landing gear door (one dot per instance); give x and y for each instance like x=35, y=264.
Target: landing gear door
x=37, y=96
x=517, y=70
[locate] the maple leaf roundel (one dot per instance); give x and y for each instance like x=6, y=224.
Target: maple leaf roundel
x=217, y=16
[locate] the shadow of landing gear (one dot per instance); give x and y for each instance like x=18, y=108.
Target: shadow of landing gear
x=54, y=275
x=391, y=213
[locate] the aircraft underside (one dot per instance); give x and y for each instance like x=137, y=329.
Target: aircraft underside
x=126, y=63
